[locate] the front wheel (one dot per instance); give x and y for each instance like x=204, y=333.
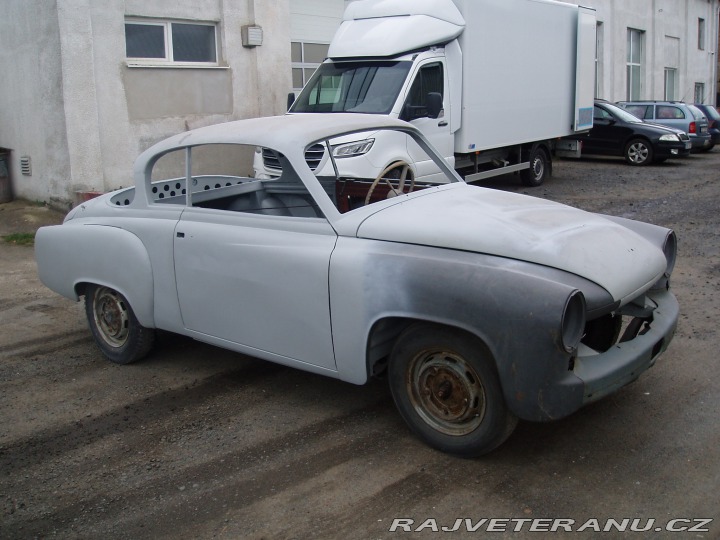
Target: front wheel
x=638, y=152
x=121, y=338
x=539, y=168
x=446, y=388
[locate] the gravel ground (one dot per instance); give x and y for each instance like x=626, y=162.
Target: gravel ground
x=198, y=442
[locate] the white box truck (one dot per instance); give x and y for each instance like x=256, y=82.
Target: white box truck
x=491, y=83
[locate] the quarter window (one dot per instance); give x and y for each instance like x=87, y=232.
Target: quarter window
x=171, y=42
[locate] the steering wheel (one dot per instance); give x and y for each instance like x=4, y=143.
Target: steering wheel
x=400, y=170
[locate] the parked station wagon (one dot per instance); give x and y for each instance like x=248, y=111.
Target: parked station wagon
x=480, y=307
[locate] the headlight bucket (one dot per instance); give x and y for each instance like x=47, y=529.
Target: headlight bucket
x=670, y=252
x=573, y=321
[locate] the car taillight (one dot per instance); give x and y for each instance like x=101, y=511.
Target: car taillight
x=693, y=128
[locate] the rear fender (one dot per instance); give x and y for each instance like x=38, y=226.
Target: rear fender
x=71, y=255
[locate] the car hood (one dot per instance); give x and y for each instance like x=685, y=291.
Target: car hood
x=471, y=218
x=661, y=127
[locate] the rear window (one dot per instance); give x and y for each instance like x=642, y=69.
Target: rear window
x=712, y=112
x=697, y=113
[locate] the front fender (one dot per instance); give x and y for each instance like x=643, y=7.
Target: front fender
x=71, y=254
x=514, y=308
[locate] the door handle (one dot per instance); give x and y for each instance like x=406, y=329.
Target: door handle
x=181, y=235
x=442, y=124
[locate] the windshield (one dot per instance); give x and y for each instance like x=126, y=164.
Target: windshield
x=622, y=114
x=359, y=87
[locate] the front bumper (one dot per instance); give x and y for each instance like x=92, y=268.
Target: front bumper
x=673, y=149
x=592, y=375
x=604, y=373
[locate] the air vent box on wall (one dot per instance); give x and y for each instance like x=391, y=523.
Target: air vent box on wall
x=26, y=165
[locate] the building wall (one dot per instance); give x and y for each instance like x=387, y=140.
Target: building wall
x=71, y=102
x=32, y=120
x=670, y=41
x=83, y=113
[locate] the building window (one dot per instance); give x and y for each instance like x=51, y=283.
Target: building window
x=171, y=42
x=701, y=34
x=699, y=92
x=305, y=58
x=670, y=84
x=634, y=64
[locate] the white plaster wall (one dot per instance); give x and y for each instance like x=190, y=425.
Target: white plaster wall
x=32, y=121
x=658, y=19
x=65, y=86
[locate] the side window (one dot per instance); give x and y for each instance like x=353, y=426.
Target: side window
x=668, y=112
x=638, y=110
x=601, y=114
x=429, y=79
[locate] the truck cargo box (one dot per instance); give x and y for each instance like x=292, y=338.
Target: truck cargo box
x=520, y=63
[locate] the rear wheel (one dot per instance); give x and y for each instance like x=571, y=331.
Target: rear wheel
x=539, y=168
x=446, y=388
x=116, y=330
x=638, y=152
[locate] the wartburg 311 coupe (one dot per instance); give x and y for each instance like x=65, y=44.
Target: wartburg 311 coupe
x=479, y=306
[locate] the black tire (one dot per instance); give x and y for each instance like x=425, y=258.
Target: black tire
x=539, y=168
x=446, y=388
x=121, y=338
x=638, y=152
x=707, y=148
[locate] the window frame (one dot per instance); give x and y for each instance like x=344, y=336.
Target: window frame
x=699, y=92
x=671, y=83
x=168, y=60
x=631, y=65
x=303, y=65
x=701, y=34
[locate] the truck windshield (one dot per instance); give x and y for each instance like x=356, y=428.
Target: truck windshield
x=359, y=87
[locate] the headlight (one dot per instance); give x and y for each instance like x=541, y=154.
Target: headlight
x=352, y=149
x=573, y=321
x=670, y=137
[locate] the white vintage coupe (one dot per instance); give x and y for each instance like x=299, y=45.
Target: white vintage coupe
x=479, y=306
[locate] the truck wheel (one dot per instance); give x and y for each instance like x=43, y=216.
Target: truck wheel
x=121, y=338
x=539, y=168
x=638, y=152
x=446, y=388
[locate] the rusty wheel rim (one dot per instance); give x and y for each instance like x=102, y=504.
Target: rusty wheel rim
x=446, y=392
x=111, y=315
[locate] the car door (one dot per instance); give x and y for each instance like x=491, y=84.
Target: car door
x=260, y=281
x=602, y=138
x=430, y=77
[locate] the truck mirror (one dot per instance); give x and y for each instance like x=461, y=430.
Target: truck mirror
x=434, y=104
x=290, y=100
